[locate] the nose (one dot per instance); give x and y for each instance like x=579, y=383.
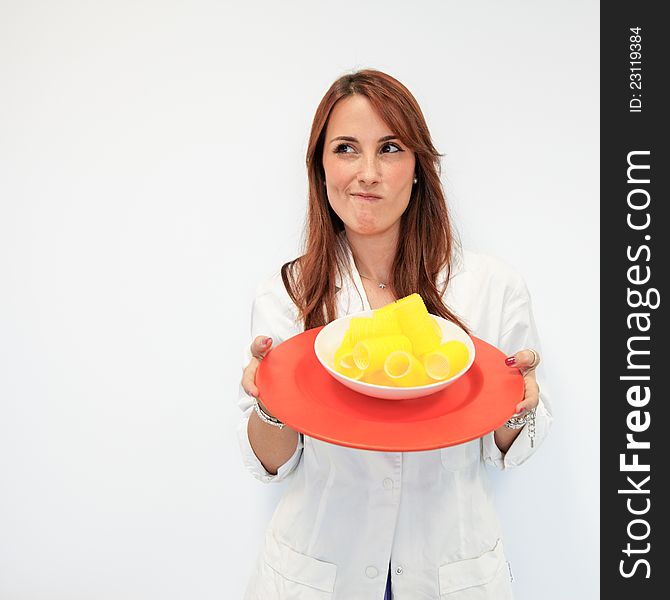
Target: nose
x=369, y=170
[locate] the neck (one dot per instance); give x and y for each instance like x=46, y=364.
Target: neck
x=374, y=254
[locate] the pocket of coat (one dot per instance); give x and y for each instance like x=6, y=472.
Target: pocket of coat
x=483, y=570
x=297, y=567
x=455, y=458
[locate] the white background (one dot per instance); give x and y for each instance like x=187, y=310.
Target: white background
x=152, y=173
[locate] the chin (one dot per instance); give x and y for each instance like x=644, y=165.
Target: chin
x=367, y=229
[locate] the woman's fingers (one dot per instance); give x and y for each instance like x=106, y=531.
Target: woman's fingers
x=524, y=359
x=259, y=348
x=249, y=377
x=531, y=396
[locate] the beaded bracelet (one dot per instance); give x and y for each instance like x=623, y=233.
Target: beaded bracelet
x=269, y=419
x=519, y=422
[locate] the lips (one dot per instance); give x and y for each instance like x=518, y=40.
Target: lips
x=368, y=196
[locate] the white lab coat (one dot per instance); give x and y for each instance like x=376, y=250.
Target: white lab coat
x=346, y=513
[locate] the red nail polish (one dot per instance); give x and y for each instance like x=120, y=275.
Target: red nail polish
x=510, y=361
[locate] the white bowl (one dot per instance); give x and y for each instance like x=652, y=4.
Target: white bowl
x=330, y=338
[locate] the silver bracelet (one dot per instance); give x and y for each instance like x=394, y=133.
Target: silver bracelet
x=519, y=422
x=269, y=419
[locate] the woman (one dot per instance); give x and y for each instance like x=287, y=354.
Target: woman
x=353, y=524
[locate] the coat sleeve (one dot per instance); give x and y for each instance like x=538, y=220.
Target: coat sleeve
x=519, y=333
x=273, y=316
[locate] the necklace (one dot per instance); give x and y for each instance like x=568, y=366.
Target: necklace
x=380, y=285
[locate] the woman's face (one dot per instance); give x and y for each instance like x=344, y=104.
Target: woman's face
x=369, y=160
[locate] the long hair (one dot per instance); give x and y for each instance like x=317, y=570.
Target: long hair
x=426, y=240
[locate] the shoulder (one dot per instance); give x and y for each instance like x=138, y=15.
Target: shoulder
x=271, y=293
x=491, y=271
x=489, y=294
x=273, y=312
x=272, y=284
x=484, y=282
x=272, y=287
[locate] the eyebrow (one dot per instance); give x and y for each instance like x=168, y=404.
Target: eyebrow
x=348, y=138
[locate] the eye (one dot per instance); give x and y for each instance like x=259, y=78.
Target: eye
x=392, y=145
x=339, y=150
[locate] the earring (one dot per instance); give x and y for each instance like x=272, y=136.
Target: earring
x=415, y=179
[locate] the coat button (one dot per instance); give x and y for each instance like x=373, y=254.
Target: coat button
x=388, y=483
x=398, y=570
x=371, y=572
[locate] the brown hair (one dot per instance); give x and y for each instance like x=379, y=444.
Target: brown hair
x=426, y=241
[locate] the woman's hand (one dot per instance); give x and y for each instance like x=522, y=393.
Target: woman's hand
x=273, y=446
x=259, y=348
x=526, y=361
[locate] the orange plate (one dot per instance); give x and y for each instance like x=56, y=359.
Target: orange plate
x=300, y=392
